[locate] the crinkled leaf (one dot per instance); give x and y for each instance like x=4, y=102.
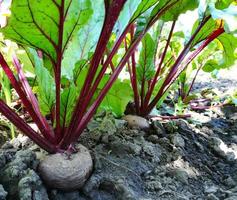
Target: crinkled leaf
x=222, y=4
x=218, y=4
x=223, y=56
x=79, y=66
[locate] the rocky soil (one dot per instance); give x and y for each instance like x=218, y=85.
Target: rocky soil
x=171, y=160
x=194, y=159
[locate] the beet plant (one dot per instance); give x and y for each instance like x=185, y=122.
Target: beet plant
x=212, y=60
x=68, y=45
x=72, y=45
x=163, y=58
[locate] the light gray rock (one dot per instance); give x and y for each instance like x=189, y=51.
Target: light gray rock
x=11, y=175
x=26, y=156
x=222, y=150
x=119, y=123
x=231, y=198
x=212, y=197
x=20, y=141
x=229, y=182
x=154, y=185
x=2, y=160
x=180, y=175
x=178, y=141
x=210, y=189
x=137, y=122
x=234, y=138
x=30, y=187
x=3, y=193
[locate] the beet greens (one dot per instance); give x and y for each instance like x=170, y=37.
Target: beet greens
x=160, y=65
x=67, y=43
x=75, y=50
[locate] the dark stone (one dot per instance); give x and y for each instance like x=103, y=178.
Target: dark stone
x=58, y=195
x=153, y=138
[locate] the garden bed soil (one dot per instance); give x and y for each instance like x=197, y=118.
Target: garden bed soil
x=192, y=159
x=172, y=160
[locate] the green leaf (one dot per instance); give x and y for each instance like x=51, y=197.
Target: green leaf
x=46, y=84
x=37, y=24
x=172, y=8
x=210, y=66
x=79, y=67
x=84, y=41
x=220, y=54
x=228, y=45
x=114, y=101
x=146, y=68
x=128, y=11
x=173, y=12
x=206, y=30
x=67, y=103
x=143, y=7
x=222, y=4
x=229, y=15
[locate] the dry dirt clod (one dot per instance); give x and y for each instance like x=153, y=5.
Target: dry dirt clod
x=60, y=172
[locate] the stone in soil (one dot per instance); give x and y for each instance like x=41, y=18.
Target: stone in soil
x=3, y=193
x=137, y=122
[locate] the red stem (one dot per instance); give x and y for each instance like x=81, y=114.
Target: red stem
x=168, y=82
x=111, y=62
x=153, y=83
x=119, y=41
x=207, y=107
x=134, y=74
x=73, y=135
x=134, y=81
x=25, y=128
x=194, y=79
x=24, y=99
x=169, y=117
x=59, y=50
x=27, y=89
x=112, y=14
x=174, y=68
x=86, y=117
x=211, y=37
